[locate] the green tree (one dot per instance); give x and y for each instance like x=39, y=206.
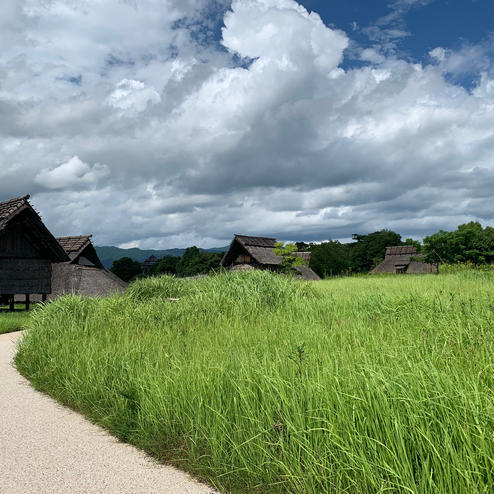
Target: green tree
x=126, y=269
x=469, y=243
x=330, y=258
x=414, y=243
x=195, y=262
x=290, y=261
x=166, y=265
x=303, y=247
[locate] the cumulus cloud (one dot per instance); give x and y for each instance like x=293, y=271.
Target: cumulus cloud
x=132, y=96
x=468, y=59
x=74, y=173
x=263, y=132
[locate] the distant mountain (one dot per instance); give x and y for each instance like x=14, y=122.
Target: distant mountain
x=108, y=254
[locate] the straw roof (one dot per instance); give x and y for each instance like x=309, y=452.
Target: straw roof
x=74, y=245
x=81, y=250
x=261, y=250
x=399, y=259
x=84, y=274
x=83, y=280
x=401, y=250
x=10, y=208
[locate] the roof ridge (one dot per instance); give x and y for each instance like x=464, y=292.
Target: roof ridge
x=25, y=197
x=76, y=236
x=253, y=236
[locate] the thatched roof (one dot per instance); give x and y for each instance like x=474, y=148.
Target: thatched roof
x=261, y=249
x=74, y=245
x=70, y=278
x=303, y=255
x=399, y=258
x=401, y=250
x=149, y=262
x=306, y=273
x=10, y=208
x=20, y=210
x=80, y=250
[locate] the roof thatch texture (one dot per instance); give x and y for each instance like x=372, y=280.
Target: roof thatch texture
x=83, y=280
x=401, y=250
x=80, y=250
x=399, y=259
x=84, y=274
x=74, y=245
x=261, y=249
x=306, y=273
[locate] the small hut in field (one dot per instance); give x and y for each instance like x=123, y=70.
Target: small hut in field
x=83, y=274
x=403, y=259
x=27, y=251
x=149, y=263
x=247, y=252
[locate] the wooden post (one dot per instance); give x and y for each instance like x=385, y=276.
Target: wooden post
x=43, y=297
x=27, y=301
x=11, y=304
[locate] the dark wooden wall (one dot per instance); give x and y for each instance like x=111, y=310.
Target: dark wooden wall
x=22, y=267
x=13, y=243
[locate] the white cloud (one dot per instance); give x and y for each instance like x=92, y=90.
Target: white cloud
x=285, y=142
x=371, y=55
x=73, y=173
x=132, y=96
x=466, y=60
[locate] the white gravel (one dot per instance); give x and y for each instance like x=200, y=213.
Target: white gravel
x=47, y=448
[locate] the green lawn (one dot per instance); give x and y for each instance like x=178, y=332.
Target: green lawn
x=13, y=321
x=261, y=384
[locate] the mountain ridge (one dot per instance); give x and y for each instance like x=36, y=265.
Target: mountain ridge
x=109, y=253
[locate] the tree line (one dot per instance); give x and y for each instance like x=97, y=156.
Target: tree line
x=192, y=263
x=470, y=242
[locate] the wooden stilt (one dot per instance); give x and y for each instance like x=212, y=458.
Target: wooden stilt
x=43, y=297
x=27, y=301
x=11, y=304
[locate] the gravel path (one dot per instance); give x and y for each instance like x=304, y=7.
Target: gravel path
x=46, y=448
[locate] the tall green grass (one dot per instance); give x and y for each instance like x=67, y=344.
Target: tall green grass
x=259, y=383
x=13, y=321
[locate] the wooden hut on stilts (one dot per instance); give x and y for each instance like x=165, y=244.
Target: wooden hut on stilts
x=27, y=251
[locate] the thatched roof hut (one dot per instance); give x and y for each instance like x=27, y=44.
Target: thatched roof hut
x=147, y=264
x=27, y=250
x=80, y=250
x=247, y=252
x=403, y=259
x=83, y=274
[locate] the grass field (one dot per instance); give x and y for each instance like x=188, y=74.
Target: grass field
x=13, y=321
x=261, y=384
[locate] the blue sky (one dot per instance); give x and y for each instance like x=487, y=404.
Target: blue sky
x=188, y=121
x=446, y=23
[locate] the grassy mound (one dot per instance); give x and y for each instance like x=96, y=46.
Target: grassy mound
x=260, y=383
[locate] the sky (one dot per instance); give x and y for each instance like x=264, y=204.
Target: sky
x=170, y=123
